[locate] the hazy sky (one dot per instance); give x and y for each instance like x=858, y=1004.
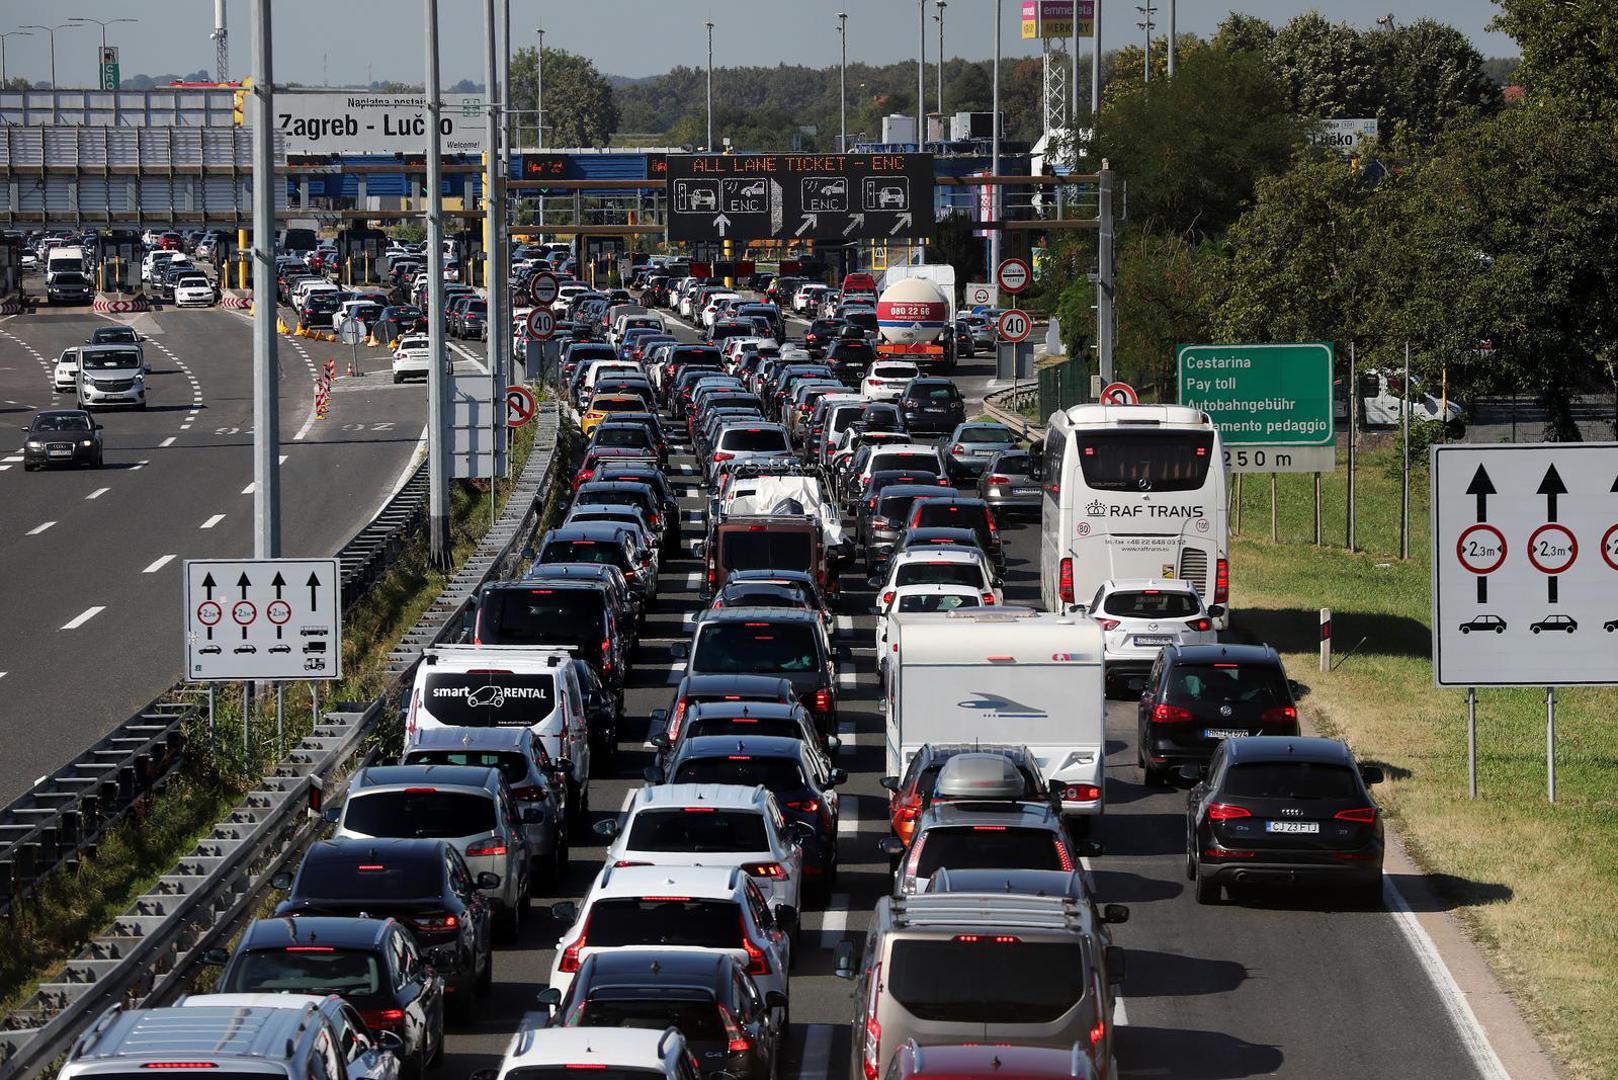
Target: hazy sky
x=354, y=41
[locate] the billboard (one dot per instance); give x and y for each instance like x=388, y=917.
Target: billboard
x=361, y=123
x=1054, y=18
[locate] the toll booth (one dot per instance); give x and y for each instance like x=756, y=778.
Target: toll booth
x=359, y=252
x=10, y=264
x=119, y=253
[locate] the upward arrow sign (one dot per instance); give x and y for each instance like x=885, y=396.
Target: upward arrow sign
x=279, y=582
x=314, y=590
x=209, y=584
x=1550, y=487
x=242, y=583
x=1482, y=487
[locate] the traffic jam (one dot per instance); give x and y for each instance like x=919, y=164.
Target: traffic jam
x=806, y=683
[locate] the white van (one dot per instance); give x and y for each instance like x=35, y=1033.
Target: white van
x=507, y=686
x=1004, y=675
x=308, y=286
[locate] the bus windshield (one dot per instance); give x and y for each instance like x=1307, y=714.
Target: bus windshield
x=1145, y=460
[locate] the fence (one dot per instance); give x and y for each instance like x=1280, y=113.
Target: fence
x=1062, y=386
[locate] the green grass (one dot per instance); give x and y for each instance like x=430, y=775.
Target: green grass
x=1536, y=884
x=54, y=923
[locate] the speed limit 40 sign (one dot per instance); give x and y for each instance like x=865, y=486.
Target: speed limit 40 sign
x=1014, y=325
x=541, y=324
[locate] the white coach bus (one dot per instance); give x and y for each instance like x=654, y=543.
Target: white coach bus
x=1133, y=491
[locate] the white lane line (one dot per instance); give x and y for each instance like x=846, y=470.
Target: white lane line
x=168, y=441
x=12, y=460
x=2, y=674
x=97, y=493
x=158, y=565
x=37, y=529
x=139, y=465
x=211, y=522
x=693, y=581
x=250, y=488
x=816, y=1064
x=82, y=617
x=4, y=468
x=283, y=460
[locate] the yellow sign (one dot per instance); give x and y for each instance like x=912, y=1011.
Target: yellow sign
x=1054, y=18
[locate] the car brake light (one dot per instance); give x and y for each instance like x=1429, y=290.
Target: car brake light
x=1226, y=812
x=435, y=923
x=737, y=1038
x=570, y=956
x=822, y=700
x=988, y=939
x=492, y=846
x=1365, y=815
x=887, y=597
x=1200, y=624
x=808, y=806
x=774, y=871
x=909, y=808
x=1107, y=624
x=383, y=1019
x=1064, y=583
x=1170, y=714
x=180, y=1065
x=958, y=448
x=1281, y=714
x=1080, y=793
x=757, y=962
x=988, y=599
x=675, y=717
x=528, y=794
x=722, y=455
x=1062, y=854
x=606, y=654
x=997, y=478
x=1222, y=582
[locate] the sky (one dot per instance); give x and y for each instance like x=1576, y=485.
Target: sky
x=356, y=41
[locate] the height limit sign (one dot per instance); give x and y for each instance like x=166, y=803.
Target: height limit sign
x=263, y=619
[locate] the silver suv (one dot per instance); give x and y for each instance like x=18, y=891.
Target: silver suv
x=1040, y=975
x=112, y=375
x=469, y=808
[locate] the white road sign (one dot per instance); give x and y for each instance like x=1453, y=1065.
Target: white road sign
x=1525, y=564
x=1014, y=325
x=1263, y=459
x=1013, y=275
x=263, y=619
x=978, y=292
x=360, y=123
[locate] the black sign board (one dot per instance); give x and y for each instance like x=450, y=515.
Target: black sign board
x=799, y=196
x=495, y=700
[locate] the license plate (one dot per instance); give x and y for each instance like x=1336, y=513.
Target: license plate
x=1152, y=639
x=60, y=453
x=1292, y=826
x=1223, y=733
x=1025, y=491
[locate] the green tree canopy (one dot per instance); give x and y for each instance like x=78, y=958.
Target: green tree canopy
x=1569, y=53
x=1326, y=69
x=580, y=107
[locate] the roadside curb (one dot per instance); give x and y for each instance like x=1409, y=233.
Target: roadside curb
x=118, y=305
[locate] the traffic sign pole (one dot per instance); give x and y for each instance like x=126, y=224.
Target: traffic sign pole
x=266, y=389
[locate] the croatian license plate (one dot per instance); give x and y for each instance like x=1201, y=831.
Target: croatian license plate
x=1292, y=826
x=1152, y=639
x=60, y=453
x=1223, y=733
x=1025, y=491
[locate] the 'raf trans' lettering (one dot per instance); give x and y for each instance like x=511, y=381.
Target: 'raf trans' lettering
x=1140, y=510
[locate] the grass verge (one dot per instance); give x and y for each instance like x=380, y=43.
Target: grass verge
x=55, y=922
x=1536, y=884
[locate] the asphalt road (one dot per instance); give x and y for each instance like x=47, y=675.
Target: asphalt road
x=93, y=558
x=1283, y=984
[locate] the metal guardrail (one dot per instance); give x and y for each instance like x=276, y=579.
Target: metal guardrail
x=1006, y=406
x=149, y=954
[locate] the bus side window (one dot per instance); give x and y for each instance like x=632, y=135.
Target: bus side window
x=1053, y=464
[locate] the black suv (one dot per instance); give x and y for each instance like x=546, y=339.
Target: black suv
x=932, y=406
x=575, y=614
x=1290, y=810
x=768, y=641
x=1199, y=695
x=730, y=1025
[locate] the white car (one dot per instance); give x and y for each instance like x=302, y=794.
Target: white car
x=695, y=908
x=906, y=598
x=193, y=290
x=940, y=566
x=712, y=825
x=887, y=379
x=1138, y=616
x=716, y=303
x=413, y=357
x=619, y=1051
x=65, y=373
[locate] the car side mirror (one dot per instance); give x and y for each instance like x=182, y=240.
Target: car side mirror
x=660, y=740
x=1193, y=773
x=786, y=916
x=1090, y=849
x=488, y=880
x=874, y=581
x=889, y=782
x=1216, y=611
x=681, y=650
x=282, y=881
x=833, y=744
x=1115, y=965
x=699, y=549
x=660, y=717
x=801, y=831
x=607, y=828
x=565, y=911
x=1115, y=913
x=774, y=999
x=838, y=776
x=99, y=427
x=332, y=813
x=1372, y=774
x=549, y=998
x=1055, y=788
x=843, y=964
x=652, y=774
x=216, y=957
x=528, y=552
x=484, y=1074
x=389, y=1041
x=891, y=846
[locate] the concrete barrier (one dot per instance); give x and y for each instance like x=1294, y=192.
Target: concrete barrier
x=114, y=304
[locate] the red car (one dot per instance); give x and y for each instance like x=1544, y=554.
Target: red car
x=980, y=1062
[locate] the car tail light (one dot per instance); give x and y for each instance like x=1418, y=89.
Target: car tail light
x=180, y=1065
x=997, y=478
x=1064, y=581
x=771, y=870
x=887, y=597
x=873, y=1039
x=383, y=1019
x=1107, y=624
x=987, y=939
x=988, y=599
x=528, y=794
x=822, y=700
x=492, y=846
x=757, y=962
x=1062, y=854
x=1281, y=714
x=735, y=1036
x=433, y=924
x=1200, y=624
x=722, y=455
x=1080, y=793
x=570, y=955
x=1224, y=853
x=908, y=809
x=808, y=806
x=1222, y=582
x=606, y=654
x=1365, y=815
x=678, y=714
x=621, y=863
x=1226, y=812
x=1170, y=714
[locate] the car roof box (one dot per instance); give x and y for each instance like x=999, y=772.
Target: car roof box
x=979, y=776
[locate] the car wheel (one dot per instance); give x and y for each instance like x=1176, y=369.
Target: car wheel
x=416, y=1066
x=397, y=378
x=1369, y=894
x=1208, y=892
x=29, y=466
x=1502, y=629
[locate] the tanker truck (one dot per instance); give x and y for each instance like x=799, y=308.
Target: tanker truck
x=915, y=315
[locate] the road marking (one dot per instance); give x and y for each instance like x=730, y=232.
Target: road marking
x=12, y=460
x=82, y=617
x=211, y=522
x=4, y=468
x=816, y=1064
x=37, y=529
x=168, y=441
x=283, y=460
x=97, y=493
x=250, y=488
x=158, y=565
x=139, y=465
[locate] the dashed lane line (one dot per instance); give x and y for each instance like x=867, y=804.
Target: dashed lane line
x=83, y=617
x=158, y=564
x=37, y=529
x=168, y=441
x=211, y=522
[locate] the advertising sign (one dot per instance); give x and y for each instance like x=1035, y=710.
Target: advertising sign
x=791, y=196
x=1344, y=136
x=1054, y=18
x=108, y=67
x=1525, y=564
x=358, y=123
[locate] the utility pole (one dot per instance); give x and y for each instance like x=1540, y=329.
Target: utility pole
x=1095, y=76
x=994, y=152
x=266, y=391
x=51, y=30
x=1104, y=287
x=29, y=33
x=1147, y=11
x=1171, y=39
x=494, y=253
x=437, y=390
x=710, y=87
x=539, y=104
x=921, y=74
x=509, y=105
x=842, y=80
x=940, y=17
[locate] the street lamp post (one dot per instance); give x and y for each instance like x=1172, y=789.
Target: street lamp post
x=51, y=30
x=103, y=23
x=994, y=154
x=710, y=87
x=539, y=134
x=921, y=73
x=27, y=33
x=842, y=79
x=940, y=18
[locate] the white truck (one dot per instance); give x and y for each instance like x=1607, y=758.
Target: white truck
x=937, y=353
x=1002, y=675
x=64, y=257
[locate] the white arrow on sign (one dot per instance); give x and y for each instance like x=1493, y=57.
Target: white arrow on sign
x=902, y=222
x=723, y=223
x=809, y=221
x=854, y=222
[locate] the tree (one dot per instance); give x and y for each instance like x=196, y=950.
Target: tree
x=580, y=107
x=1124, y=69
x=1244, y=33
x=1191, y=147
x=1167, y=288
x=1326, y=69
x=1430, y=75
x=1569, y=53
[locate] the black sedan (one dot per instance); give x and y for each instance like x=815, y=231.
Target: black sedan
x=1281, y=810
x=373, y=963
x=425, y=884
x=61, y=437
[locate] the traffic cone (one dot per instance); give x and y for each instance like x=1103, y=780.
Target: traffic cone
x=280, y=325
x=350, y=373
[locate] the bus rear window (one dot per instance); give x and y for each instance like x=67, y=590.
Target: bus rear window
x=1145, y=460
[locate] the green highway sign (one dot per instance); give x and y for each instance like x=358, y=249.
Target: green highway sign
x=109, y=67
x=1273, y=394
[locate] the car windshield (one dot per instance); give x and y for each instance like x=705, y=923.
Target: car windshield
x=1010, y=981
x=740, y=647
x=62, y=422
x=927, y=463
x=624, y=435
x=938, y=514
x=1152, y=604
x=765, y=550
x=894, y=507
x=1254, y=684
x=697, y=1018
x=419, y=813
x=893, y=371
x=1290, y=780
x=1011, y=464
x=767, y=726
x=525, y=616
x=940, y=572
x=984, y=435
x=512, y=765
x=357, y=874
x=110, y=359
x=937, y=601
x=305, y=969
x=778, y=774
x=698, y=829
x=657, y=920
x=591, y=551
x=945, y=392
x=110, y=334
x=759, y=594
